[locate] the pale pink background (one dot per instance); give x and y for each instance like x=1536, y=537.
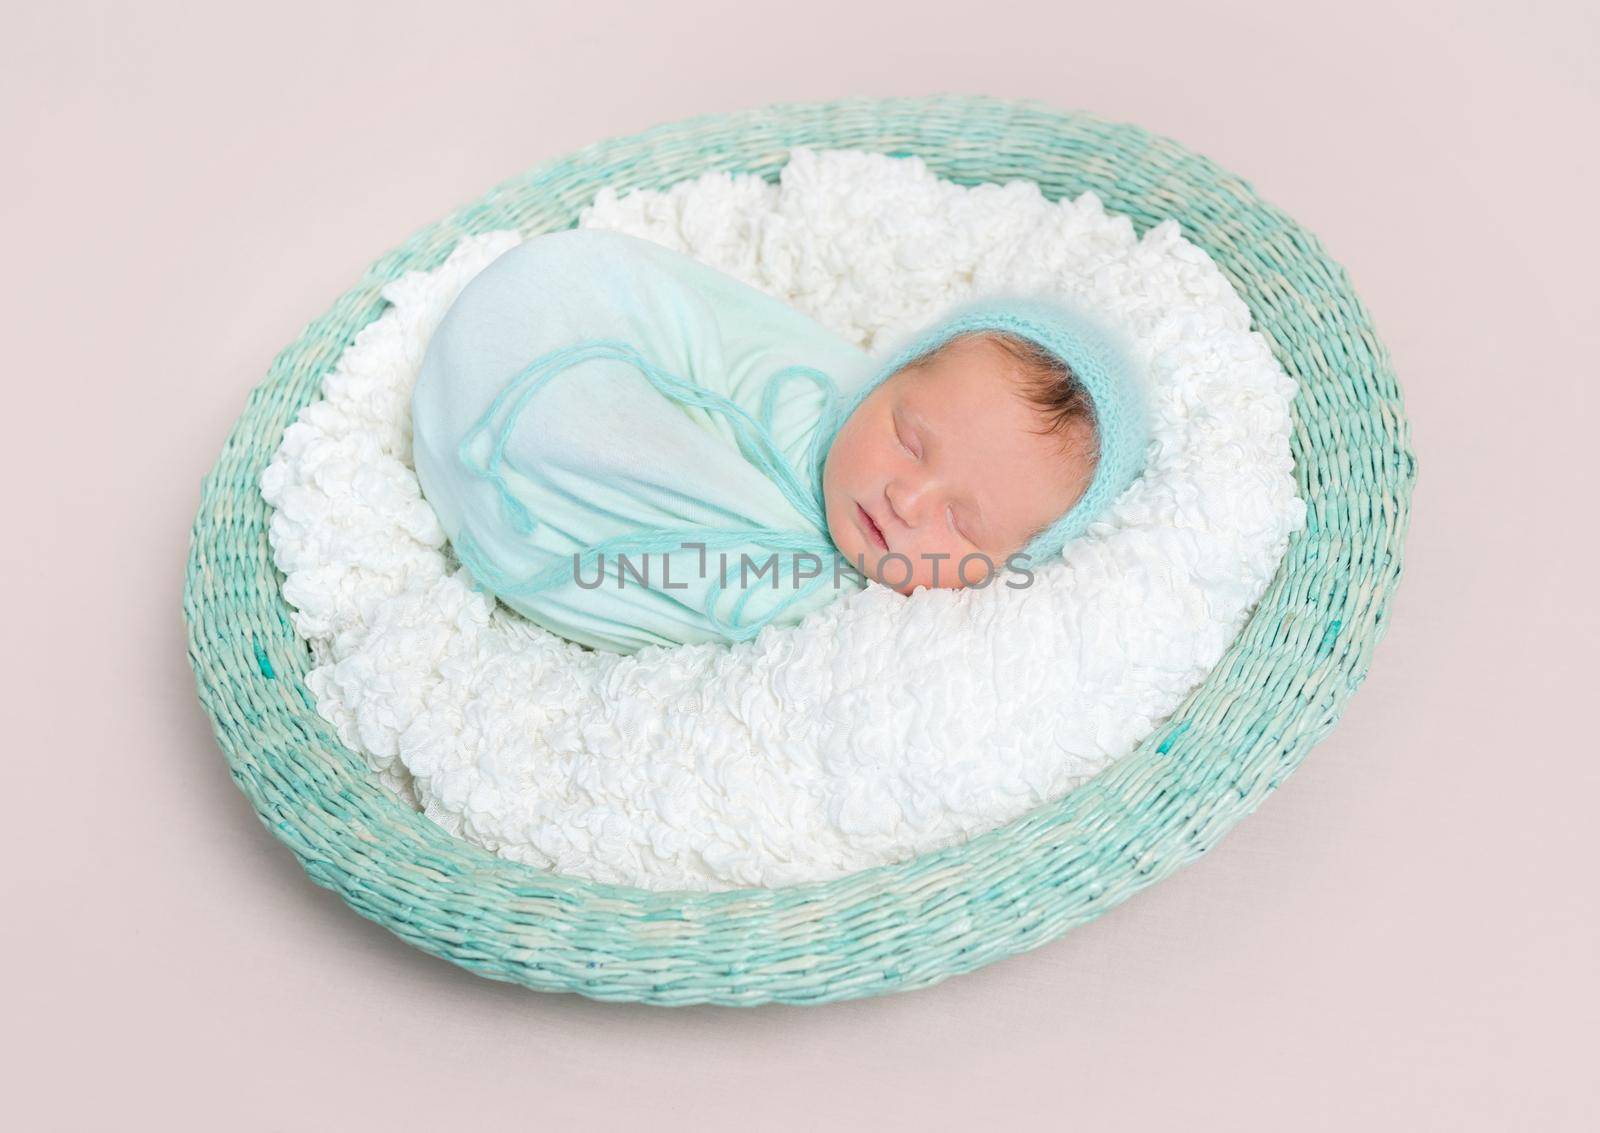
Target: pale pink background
x=1405, y=936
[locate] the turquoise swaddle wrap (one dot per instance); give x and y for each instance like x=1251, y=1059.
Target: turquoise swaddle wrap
x=691, y=444
x=549, y=418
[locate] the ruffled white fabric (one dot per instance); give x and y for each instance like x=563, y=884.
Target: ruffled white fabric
x=882, y=726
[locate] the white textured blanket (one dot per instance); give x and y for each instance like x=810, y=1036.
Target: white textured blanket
x=882, y=726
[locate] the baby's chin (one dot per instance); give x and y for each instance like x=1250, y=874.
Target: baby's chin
x=876, y=564
x=871, y=564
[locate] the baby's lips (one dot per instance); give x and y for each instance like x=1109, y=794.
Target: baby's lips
x=874, y=526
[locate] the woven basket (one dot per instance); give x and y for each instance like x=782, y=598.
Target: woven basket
x=1279, y=688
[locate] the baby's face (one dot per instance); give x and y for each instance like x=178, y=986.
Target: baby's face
x=947, y=459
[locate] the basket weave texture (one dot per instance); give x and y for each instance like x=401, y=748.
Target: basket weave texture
x=1279, y=688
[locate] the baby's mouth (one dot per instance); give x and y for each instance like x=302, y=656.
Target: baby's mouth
x=870, y=528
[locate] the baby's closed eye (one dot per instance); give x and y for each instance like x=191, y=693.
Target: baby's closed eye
x=901, y=433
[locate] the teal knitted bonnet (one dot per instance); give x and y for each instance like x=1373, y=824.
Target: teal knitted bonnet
x=1097, y=354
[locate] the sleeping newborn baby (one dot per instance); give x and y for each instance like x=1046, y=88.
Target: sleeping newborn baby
x=934, y=466
x=630, y=448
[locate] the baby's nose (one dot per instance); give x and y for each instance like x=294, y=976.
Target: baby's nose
x=909, y=500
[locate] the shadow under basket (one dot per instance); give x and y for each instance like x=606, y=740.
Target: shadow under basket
x=1278, y=689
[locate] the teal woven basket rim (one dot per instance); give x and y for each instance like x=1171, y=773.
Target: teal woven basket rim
x=1279, y=688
